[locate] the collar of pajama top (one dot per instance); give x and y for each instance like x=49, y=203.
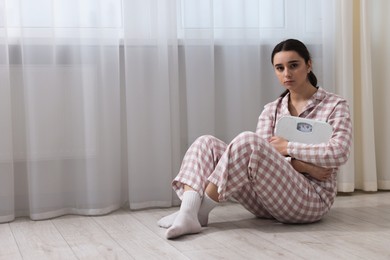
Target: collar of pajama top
x=317, y=97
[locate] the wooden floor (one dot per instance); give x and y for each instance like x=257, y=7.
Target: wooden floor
x=358, y=227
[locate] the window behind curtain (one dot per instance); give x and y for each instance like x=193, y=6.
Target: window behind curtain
x=227, y=18
x=64, y=13
x=249, y=19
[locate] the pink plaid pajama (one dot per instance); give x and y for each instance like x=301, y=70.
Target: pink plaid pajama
x=255, y=174
x=250, y=170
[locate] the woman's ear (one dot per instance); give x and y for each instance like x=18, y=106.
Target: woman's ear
x=308, y=66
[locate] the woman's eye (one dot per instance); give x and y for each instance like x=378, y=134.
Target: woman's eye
x=279, y=69
x=294, y=65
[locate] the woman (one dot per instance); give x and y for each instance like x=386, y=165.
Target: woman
x=270, y=176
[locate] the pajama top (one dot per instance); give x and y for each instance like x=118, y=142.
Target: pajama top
x=323, y=106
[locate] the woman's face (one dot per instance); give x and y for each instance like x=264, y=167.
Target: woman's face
x=291, y=70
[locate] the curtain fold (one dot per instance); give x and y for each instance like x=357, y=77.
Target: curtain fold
x=344, y=78
x=152, y=104
x=99, y=100
x=380, y=63
x=365, y=172
x=7, y=200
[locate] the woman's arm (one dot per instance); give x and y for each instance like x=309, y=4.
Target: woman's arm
x=316, y=172
x=319, y=173
x=265, y=123
x=334, y=153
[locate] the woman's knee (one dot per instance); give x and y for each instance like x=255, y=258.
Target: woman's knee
x=205, y=139
x=209, y=142
x=246, y=139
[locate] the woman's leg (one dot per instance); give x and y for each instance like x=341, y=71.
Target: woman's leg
x=187, y=224
x=190, y=184
x=255, y=173
x=198, y=164
x=249, y=161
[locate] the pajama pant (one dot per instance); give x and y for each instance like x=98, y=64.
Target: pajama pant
x=251, y=171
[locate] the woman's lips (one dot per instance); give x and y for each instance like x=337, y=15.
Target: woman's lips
x=287, y=82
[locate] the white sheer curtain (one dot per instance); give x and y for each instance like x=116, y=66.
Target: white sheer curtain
x=61, y=108
x=99, y=99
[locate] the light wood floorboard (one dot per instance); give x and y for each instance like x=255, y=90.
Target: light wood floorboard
x=357, y=227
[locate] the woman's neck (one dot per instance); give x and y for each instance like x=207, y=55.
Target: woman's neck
x=298, y=100
x=303, y=95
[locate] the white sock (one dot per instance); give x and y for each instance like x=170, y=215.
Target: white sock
x=203, y=215
x=186, y=221
x=207, y=205
x=167, y=221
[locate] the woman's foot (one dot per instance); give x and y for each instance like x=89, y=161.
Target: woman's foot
x=186, y=221
x=167, y=221
x=203, y=215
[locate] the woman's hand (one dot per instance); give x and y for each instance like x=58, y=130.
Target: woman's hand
x=318, y=173
x=280, y=144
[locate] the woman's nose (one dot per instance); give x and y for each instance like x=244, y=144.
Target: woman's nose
x=287, y=72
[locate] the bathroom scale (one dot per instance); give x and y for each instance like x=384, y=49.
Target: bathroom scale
x=303, y=130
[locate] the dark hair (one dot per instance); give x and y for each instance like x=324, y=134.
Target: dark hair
x=300, y=48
